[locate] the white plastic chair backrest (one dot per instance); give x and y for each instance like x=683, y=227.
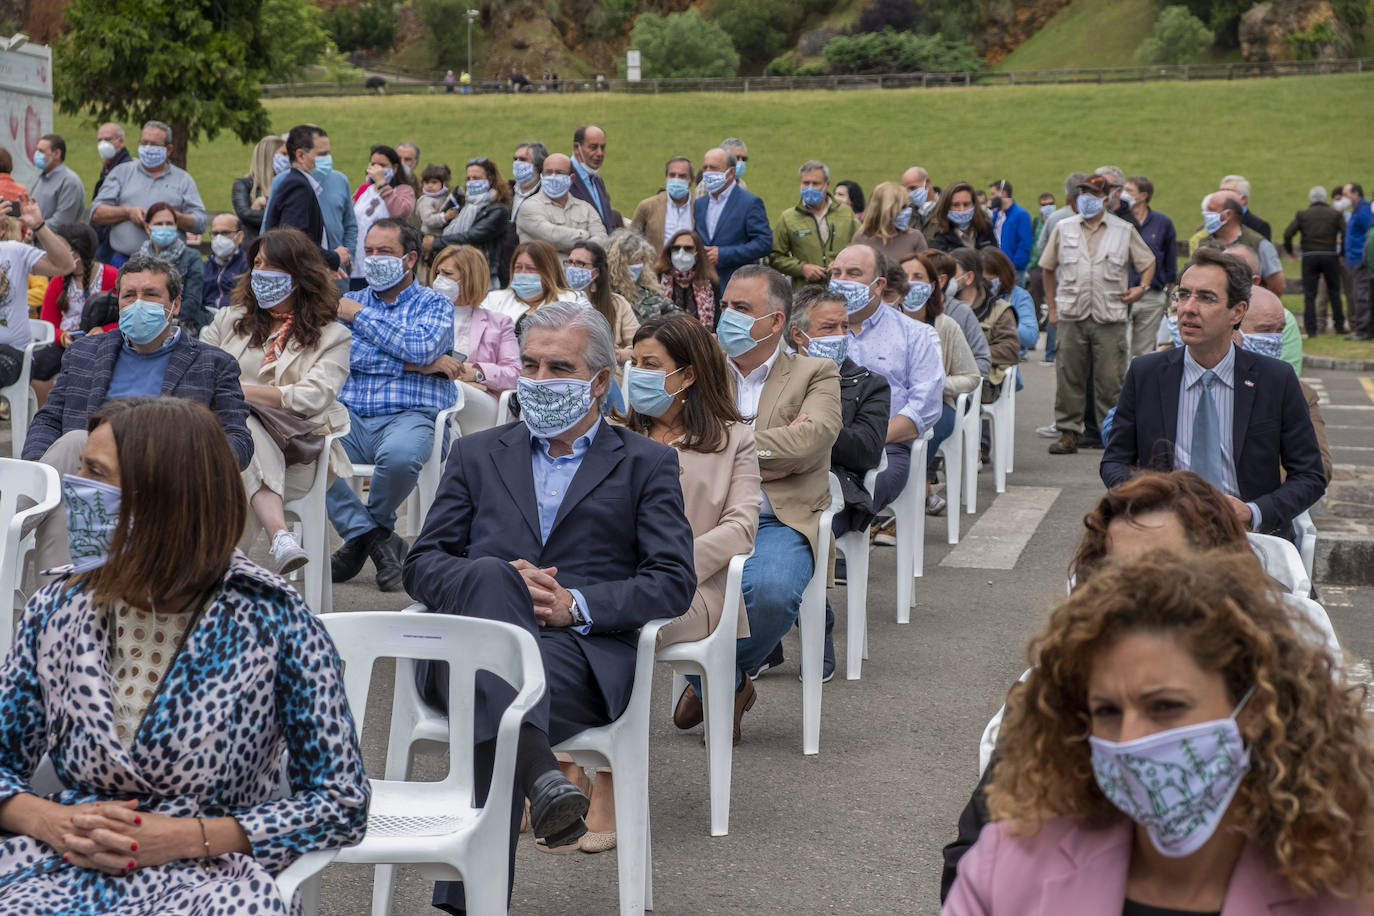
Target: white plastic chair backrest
x=479, y=410
x=503, y=407
x=41, y=331
x=988, y=742
x=467, y=644
x=1282, y=562
x=40, y=483
x=1310, y=612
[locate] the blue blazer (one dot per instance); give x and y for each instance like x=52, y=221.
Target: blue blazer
x=196, y=371
x=293, y=203
x=1271, y=430
x=621, y=536
x=742, y=233
x=596, y=195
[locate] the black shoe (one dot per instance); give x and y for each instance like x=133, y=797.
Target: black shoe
x=841, y=572
x=556, y=810
x=828, y=663
x=774, y=660
x=388, y=554
x=1093, y=443
x=348, y=560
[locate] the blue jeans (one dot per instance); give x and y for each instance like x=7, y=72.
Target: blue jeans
x=1051, y=341
x=943, y=427
x=398, y=445
x=774, y=579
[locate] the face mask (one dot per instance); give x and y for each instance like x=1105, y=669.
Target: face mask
x=436, y=194
x=526, y=286
x=555, y=405
x=1211, y=222
x=478, y=188
x=105, y=149
x=92, y=514
x=324, y=165
x=280, y=163
x=995, y=204
x=1127, y=199
x=40, y=161
x=222, y=246
x=445, y=287
x=677, y=188
x=917, y=296
x=994, y=286
x=836, y=348
x=961, y=218
x=917, y=197
x=142, y=321
x=591, y=172
x=163, y=236
x=1046, y=210
x=812, y=196
x=578, y=278
x=952, y=288
x=383, y=271
x=739, y=168
x=856, y=295
x=682, y=261
x=635, y=271
x=152, y=156
x=733, y=332
x=1178, y=783
x=646, y=392
x=522, y=170
x=1089, y=206
x=1264, y=344
x=271, y=287
x=556, y=186
x=714, y=181
x=903, y=220
x=1344, y=205
x=1172, y=322
x=388, y=174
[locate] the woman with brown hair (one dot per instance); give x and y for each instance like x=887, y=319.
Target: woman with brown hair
x=536, y=278
x=959, y=221
x=293, y=357
x=168, y=678
x=887, y=224
x=1182, y=745
x=483, y=219
x=585, y=271
x=689, y=278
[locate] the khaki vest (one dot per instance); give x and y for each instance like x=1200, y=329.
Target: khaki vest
x=1092, y=287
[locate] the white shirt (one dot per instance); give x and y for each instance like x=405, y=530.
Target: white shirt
x=1224, y=397
x=462, y=329
x=715, y=205
x=748, y=391
x=676, y=218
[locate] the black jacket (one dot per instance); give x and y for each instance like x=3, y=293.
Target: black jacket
x=948, y=241
x=865, y=403
x=487, y=234
x=295, y=204
x=241, y=196
x=1254, y=222
x=1320, y=226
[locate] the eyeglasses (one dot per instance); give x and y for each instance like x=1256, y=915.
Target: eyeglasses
x=1201, y=296
x=215, y=233
x=551, y=174
x=686, y=249
x=569, y=262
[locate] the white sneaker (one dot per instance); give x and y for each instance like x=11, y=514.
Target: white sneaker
x=1047, y=432
x=287, y=555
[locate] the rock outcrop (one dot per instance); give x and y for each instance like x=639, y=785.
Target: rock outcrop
x=1265, y=30
x=1001, y=28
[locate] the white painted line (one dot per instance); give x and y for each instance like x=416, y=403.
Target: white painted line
x=1335, y=596
x=997, y=539
x=1349, y=406
x=1354, y=448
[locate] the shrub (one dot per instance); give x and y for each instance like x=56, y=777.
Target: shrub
x=890, y=51
x=682, y=44
x=1179, y=38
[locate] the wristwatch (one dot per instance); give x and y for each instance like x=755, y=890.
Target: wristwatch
x=480, y=375
x=578, y=618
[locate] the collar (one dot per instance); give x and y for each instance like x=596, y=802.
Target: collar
x=582, y=172
x=314, y=185
x=167, y=344
x=686, y=201
x=872, y=320
x=166, y=169
x=579, y=448
x=724, y=195
x=411, y=291
x=1225, y=370
x=51, y=173
x=534, y=188
x=761, y=372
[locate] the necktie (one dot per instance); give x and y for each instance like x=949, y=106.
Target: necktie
x=1205, y=456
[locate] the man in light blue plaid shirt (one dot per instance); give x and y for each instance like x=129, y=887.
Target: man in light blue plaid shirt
x=400, y=329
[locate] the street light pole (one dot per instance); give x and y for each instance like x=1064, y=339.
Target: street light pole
x=470, y=16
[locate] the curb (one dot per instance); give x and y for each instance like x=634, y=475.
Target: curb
x=1347, y=559
x=1330, y=362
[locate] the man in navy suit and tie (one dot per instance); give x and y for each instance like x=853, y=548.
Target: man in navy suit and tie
x=295, y=199
x=568, y=527
x=731, y=221
x=589, y=154
x=1233, y=416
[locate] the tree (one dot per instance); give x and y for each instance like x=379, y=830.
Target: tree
x=447, y=27
x=295, y=38
x=759, y=29
x=1179, y=38
x=195, y=64
x=682, y=44
x=879, y=14
x=890, y=51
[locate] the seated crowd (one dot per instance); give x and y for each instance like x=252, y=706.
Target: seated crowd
x=679, y=403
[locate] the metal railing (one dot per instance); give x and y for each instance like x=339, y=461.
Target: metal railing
x=409, y=82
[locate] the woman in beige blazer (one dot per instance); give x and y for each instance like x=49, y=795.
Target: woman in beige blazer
x=293, y=355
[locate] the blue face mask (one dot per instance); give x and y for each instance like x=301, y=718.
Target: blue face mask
x=646, y=390
x=812, y=196
x=994, y=286
x=739, y=167
x=1046, y=210
x=152, y=156
x=903, y=220
x=714, y=181
x=142, y=321
x=1089, y=205
x=917, y=197
x=733, y=332
x=92, y=516
x=522, y=171
x=271, y=287
x=323, y=166
x=1172, y=322
x=40, y=161
x=961, y=218
x=280, y=163
x=552, y=406
x=1270, y=345
x=677, y=188
x=526, y=286
x=555, y=186
x=478, y=188
x=835, y=348
x=1211, y=222
x=577, y=277
x=636, y=270
x=383, y=271
x=917, y=296
x=388, y=174
x=163, y=236
x=856, y=295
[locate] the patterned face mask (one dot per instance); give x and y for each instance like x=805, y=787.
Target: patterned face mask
x=271, y=287
x=1178, y=783
x=555, y=405
x=1172, y=323
x=92, y=514
x=1270, y=345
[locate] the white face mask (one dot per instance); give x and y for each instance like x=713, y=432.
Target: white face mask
x=445, y=287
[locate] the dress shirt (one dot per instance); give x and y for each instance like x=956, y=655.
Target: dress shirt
x=417, y=328
x=748, y=391
x=676, y=218
x=588, y=179
x=518, y=197
x=907, y=353
x=552, y=477
x=715, y=205
x=1224, y=396
x=1158, y=233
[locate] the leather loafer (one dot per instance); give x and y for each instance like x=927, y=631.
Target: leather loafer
x=556, y=810
x=745, y=698
x=388, y=556
x=348, y=560
x=688, y=713
x=1067, y=444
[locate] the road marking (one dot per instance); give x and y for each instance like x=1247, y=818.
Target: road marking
x=1348, y=407
x=1355, y=448
x=1368, y=384
x=997, y=539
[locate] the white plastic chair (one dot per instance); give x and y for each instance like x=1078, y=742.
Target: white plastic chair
x=41, y=484
x=855, y=547
x=960, y=451
x=1003, y=415
x=1307, y=533
x=433, y=824
x=480, y=410
x=1282, y=562
x=313, y=532
x=909, y=510
x=811, y=621
x=624, y=747
x=23, y=402
x=714, y=659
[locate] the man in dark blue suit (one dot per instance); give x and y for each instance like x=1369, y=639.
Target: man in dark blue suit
x=295, y=199
x=1231, y=415
x=732, y=222
x=589, y=154
x=570, y=528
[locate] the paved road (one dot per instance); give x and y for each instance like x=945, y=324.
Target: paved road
x=857, y=829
